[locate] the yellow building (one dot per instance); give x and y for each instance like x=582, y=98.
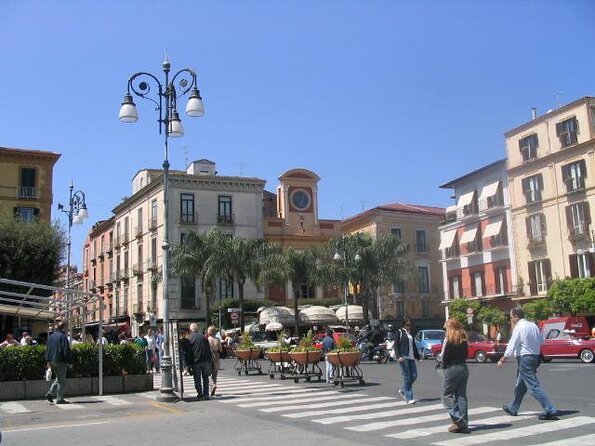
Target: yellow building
x=26, y=183
x=551, y=170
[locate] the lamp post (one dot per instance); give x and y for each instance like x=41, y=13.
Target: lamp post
x=170, y=125
x=338, y=257
x=76, y=212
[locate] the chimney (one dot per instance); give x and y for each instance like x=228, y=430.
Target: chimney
x=533, y=112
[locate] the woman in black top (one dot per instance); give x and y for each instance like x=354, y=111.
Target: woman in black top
x=456, y=374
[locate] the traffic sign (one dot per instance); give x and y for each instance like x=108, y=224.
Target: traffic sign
x=234, y=310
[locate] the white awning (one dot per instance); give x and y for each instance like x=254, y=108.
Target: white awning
x=493, y=228
x=489, y=190
x=447, y=238
x=465, y=199
x=469, y=235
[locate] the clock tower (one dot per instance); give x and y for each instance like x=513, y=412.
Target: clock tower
x=297, y=199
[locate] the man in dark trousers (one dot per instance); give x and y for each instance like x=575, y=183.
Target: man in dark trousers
x=201, y=362
x=57, y=355
x=406, y=353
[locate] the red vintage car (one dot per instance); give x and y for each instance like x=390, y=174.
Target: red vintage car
x=565, y=344
x=480, y=348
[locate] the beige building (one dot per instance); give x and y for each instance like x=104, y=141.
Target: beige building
x=419, y=297
x=551, y=169
x=26, y=183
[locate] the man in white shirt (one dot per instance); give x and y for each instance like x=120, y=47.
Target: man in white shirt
x=525, y=345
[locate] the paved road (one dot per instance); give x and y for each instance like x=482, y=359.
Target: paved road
x=255, y=410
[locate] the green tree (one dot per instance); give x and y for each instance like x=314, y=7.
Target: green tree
x=31, y=252
x=572, y=295
x=457, y=309
x=537, y=310
x=491, y=316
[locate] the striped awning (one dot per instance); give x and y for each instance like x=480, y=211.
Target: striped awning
x=465, y=199
x=447, y=238
x=469, y=234
x=489, y=190
x=493, y=228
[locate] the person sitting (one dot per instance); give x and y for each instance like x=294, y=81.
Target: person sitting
x=9, y=341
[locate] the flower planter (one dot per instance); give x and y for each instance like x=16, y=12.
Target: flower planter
x=304, y=358
x=248, y=355
x=282, y=356
x=344, y=359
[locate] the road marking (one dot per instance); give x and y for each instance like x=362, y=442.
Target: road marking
x=333, y=396
x=385, y=414
x=71, y=406
x=408, y=421
x=54, y=426
x=113, y=400
x=13, y=407
x=150, y=395
x=331, y=404
x=525, y=431
x=476, y=425
x=583, y=439
x=249, y=387
x=259, y=396
x=359, y=408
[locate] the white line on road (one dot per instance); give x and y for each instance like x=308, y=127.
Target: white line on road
x=113, y=400
x=331, y=404
x=13, y=407
x=55, y=426
x=583, y=439
x=386, y=414
x=259, y=396
x=525, y=431
x=71, y=406
x=363, y=408
x=333, y=396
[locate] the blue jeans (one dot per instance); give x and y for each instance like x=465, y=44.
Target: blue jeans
x=454, y=393
x=527, y=380
x=409, y=372
x=201, y=372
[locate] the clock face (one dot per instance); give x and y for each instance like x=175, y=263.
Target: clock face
x=300, y=200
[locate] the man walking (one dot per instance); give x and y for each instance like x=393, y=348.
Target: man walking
x=406, y=353
x=525, y=344
x=57, y=355
x=201, y=362
x=328, y=344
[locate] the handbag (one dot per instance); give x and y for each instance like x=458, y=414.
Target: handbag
x=48, y=374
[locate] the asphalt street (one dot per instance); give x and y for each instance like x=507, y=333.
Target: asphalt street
x=257, y=410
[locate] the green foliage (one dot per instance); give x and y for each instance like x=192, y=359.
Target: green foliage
x=246, y=342
x=28, y=362
x=343, y=344
x=306, y=343
x=537, y=310
x=572, y=296
x=457, y=309
x=491, y=316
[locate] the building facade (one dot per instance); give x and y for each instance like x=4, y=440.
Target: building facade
x=551, y=170
x=476, y=239
x=26, y=178
x=419, y=297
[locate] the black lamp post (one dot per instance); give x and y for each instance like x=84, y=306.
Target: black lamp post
x=338, y=257
x=170, y=125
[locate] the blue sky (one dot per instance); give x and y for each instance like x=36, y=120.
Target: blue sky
x=384, y=100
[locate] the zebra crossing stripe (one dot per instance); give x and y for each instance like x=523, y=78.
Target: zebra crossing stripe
x=113, y=401
x=409, y=421
x=359, y=408
x=521, y=432
x=71, y=406
x=329, y=396
x=13, y=407
x=583, y=439
x=331, y=404
x=276, y=394
x=375, y=415
x=475, y=425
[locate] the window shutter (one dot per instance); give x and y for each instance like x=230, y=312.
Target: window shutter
x=528, y=225
x=483, y=284
x=532, y=280
x=543, y=225
x=573, y=125
x=559, y=128
x=473, y=289
x=451, y=288
x=569, y=221
x=540, y=181
x=587, y=212
x=583, y=168
x=526, y=185
x=547, y=268
x=565, y=172
x=591, y=258
x=572, y=258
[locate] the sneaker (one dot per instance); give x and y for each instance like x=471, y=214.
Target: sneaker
x=62, y=402
x=49, y=398
x=402, y=393
x=548, y=416
x=508, y=411
x=213, y=390
x=411, y=401
x=454, y=427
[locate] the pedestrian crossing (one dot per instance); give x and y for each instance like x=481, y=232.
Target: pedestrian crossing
x=23, y=407
x=356, y=411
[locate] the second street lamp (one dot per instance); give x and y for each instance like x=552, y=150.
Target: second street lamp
x=338, y=257
x=165, y=99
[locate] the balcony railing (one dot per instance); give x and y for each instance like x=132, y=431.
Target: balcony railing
x=124, y=273
x=138, y=231
x=578, y=231
x=188, y=218
x=137, y=269
x=27, y=193
x=153, y=224
x=576, y=184
x=151, y=264
x=536, y=241
x=493, y=202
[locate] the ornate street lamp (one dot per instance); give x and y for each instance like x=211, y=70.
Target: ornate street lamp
x=76, y=212
x=165, y=100
x=338, y=257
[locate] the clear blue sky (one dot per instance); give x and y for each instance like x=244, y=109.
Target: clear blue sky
x=385, y=100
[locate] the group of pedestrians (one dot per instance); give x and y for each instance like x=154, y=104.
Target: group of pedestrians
x=203, y=356
x=524, y=346
x=10, y=341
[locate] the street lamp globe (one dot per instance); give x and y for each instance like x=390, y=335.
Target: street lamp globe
x=128, y=112
x=195, y=107
x=176, y=130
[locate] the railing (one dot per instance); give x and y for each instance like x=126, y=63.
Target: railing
x=151, y=264
x=495, y=201
x=138, y=231
x=225, y=219
x=536, y=241
x=190, y=218
x=578, y=230
x=153, y=224
x=576, y=184
x=137, y=269
x=532, y=196
x=27, y=193
x=124, y=274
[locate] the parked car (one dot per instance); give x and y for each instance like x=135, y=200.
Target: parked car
x=566, y=344
x=425, y=339
x=480, y=348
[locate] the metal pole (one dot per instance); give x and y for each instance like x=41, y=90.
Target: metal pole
x=100, y=339
x=166, y=392
x=346, y=283
x=68, y=295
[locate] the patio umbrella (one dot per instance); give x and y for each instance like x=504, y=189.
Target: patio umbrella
x=317, y=314
x=355, y=313
x=283, y=315
x=274, y=326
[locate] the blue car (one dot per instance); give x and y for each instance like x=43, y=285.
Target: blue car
x=424, y=339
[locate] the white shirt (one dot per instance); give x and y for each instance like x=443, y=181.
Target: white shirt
x=526, y=339
x=411, y=354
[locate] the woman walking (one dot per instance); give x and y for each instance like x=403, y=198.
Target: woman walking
x=406, y=353
x=456, y=374
x=216, y=349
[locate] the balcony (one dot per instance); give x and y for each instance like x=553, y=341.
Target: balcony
x=225, y=219
x=536, y=241
x=138, y=231
x=124, y=239
x=578, y=232
x=493, y=202
x=452, y=253
x=189, y=218
x=101, y=256
x=532, y=196
x=573, y=185
x=93, y=259
x=110, y=249
x=153, y=224
x=137, y=269
x=124, y=274
x=27, y=193
x=92, y=285
x=152, y=264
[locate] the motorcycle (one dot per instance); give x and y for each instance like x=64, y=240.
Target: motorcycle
x=370, y=352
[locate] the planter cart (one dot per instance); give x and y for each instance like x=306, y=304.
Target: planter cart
x=281, y=364
x=305, y=366
x=247, y=361
x=346, y=368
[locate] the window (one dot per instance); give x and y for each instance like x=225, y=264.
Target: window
x=225, y=288
x=187, y=293
x=225, y=215
x=532, y=187
x=187, y=208
x=154, y=295
x=126, y=265
x=454, y=286
x=501, y=281
x=399, y=287
x=400, y=308
x=125, y=299
x=139, y=297
x=423, y=279
x=536, y=229
x=184, y=238
x=154, y=252
x=139, y=220
x=26, y=215
x=540, y=274
x=567, y=131
x=305, y=291
x=581, y=264
x=478, y=284
x=28, y=186
x=574, y=175
x=528, y=147
x=396, y=232
x=126, y=229
x=420, y=241
x=578, y=218
x=153, y=222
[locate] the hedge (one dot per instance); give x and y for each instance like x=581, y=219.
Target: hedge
x=28, y=363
